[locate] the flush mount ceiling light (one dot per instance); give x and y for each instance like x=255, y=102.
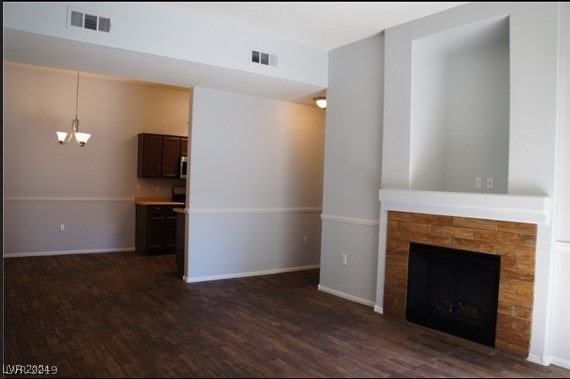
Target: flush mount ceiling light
x=321, y=101
x=80, y=138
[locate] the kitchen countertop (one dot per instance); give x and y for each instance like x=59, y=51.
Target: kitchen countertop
x=158, y=201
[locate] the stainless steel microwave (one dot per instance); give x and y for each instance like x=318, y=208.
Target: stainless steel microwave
x=183, y=167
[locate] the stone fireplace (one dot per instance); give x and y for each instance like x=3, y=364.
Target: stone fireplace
x=486, y=223
x=514, y=242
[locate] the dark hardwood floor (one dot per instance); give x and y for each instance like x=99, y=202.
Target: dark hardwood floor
x=125, y=315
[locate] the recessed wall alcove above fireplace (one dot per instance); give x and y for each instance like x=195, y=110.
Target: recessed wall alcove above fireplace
x=480, y=223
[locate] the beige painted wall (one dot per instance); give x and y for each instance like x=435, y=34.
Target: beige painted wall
x=89, y=189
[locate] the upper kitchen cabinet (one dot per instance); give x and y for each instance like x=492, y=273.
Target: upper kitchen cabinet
x=159, y=155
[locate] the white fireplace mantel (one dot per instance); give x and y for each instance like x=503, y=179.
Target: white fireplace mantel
x=504, y=207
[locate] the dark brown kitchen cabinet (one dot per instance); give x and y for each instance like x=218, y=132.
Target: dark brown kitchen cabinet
x=155, y=229
x=159, y=155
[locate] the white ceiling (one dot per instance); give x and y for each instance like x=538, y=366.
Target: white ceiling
x=326, y=25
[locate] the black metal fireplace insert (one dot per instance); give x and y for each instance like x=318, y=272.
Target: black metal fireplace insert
x=453, y=291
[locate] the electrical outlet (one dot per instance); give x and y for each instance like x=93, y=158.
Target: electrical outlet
x=62, y=228
x=305, y=240
x=343, y=258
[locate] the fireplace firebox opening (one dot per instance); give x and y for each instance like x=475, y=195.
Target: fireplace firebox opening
x=453, y=291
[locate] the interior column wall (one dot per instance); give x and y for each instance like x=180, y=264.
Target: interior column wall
x=353, y=147
x=256, y=172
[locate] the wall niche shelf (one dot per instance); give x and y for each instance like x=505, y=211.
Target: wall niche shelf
x=460, y=109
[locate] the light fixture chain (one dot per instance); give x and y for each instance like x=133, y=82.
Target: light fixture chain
x=80, y=138
x=77, y=96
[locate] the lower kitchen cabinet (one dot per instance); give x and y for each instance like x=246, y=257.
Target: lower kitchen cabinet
x=155, y=229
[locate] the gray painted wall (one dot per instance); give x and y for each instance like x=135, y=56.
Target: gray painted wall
x=255, y=185
x=560, y=313
x=353, y=148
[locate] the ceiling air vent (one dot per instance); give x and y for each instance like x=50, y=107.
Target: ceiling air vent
x=89, y=21
x=263, y=58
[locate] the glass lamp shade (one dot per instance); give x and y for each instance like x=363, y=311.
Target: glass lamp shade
x=82, y=138
x=61, y=136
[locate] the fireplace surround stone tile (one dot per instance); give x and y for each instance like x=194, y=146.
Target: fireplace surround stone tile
x=515, y=242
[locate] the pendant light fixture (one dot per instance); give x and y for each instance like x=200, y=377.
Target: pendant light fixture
x=80, y=138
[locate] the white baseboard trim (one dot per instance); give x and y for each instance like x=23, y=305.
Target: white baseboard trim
x=547, y=361
x=346, y=296
x=68, y=252
x=246, y=274
x=536, y=359
x=379, y=309
x=564, y=363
